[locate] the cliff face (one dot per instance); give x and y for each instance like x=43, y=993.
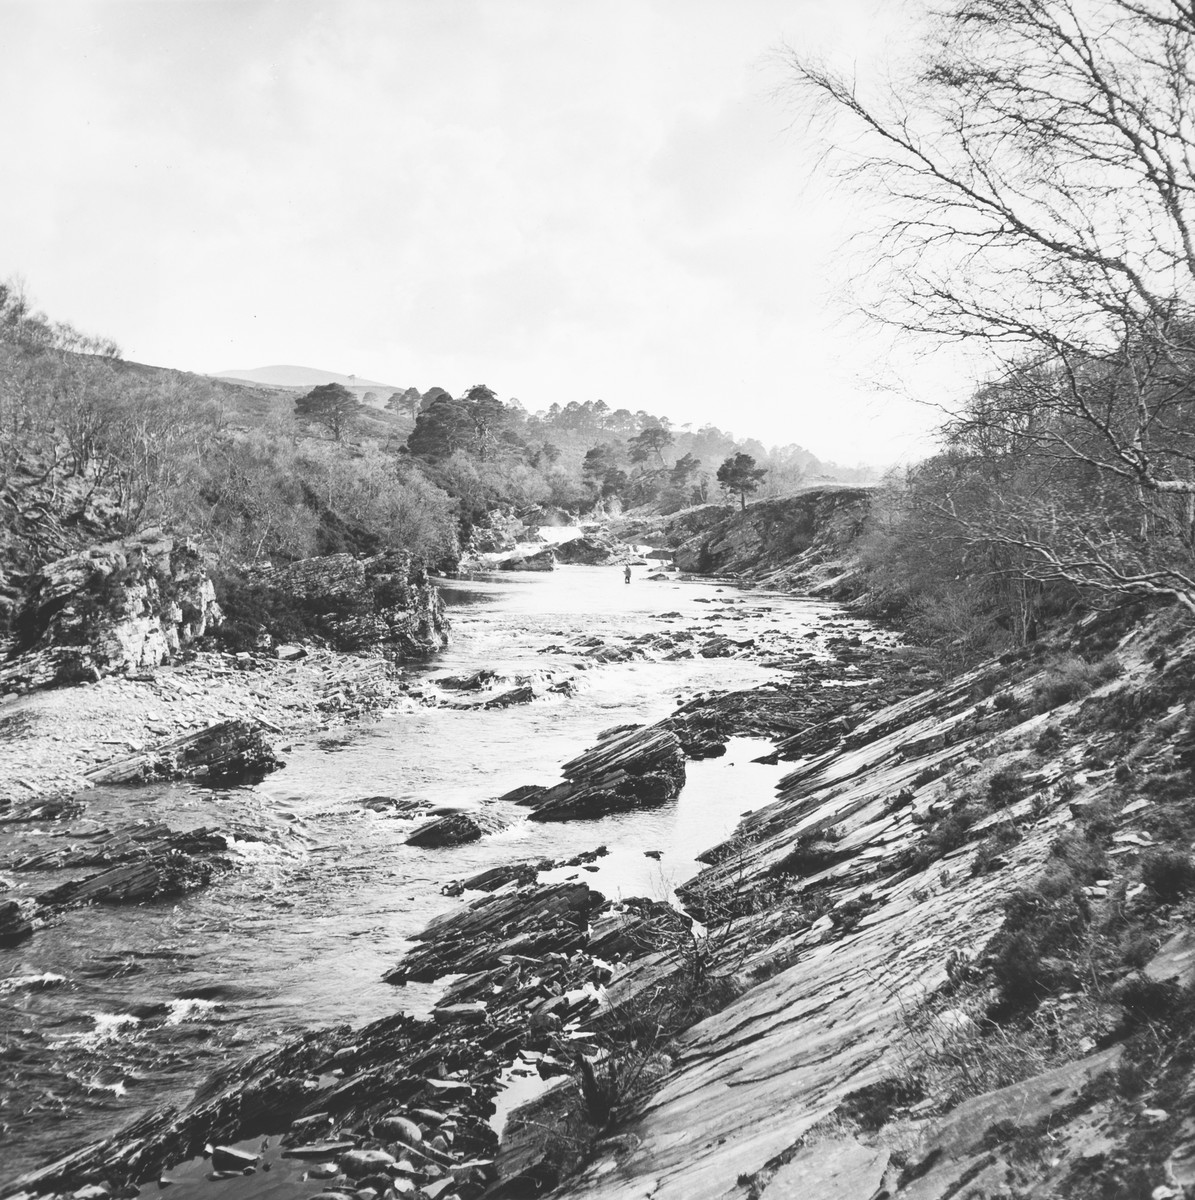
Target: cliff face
x=121, y=606
x=385, y=602
x=799, y=541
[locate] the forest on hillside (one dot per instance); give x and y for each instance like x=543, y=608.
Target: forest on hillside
x=93, y=446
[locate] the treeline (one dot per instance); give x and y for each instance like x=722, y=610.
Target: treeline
x=93, y=446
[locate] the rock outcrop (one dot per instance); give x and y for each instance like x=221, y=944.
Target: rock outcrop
x=227, y=753
x=536, y=560
x=633, y=767
x=124, y=606
x=384, y=603
x=794, y=542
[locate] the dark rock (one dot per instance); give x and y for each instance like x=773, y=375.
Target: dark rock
x=551, y=917
x=521, y=873
x=456, y=829
x=589, y=550
x=468, y=683
x=229, y=752
x=473, y=1013
x=542, y=560
x=628, y=768
x=14, y=927
x=519, y=695
x=168, y=874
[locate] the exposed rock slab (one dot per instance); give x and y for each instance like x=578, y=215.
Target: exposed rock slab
x=629, y=768
x=533, y=921
x=841, y=1169
x=229, y=752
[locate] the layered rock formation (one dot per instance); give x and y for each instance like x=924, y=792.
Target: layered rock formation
x=386, y=602
x=629, y=768
x=794, y=542
x=124, y=606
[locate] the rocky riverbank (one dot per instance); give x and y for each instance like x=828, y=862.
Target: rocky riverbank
x=951, y=958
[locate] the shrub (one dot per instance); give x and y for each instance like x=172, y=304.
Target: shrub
x=1066, y=679
x=1006, y=786
x=1169, y=874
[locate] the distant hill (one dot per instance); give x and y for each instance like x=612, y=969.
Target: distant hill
x=307, y=377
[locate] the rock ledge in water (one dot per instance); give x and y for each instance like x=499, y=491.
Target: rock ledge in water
x=627, y=769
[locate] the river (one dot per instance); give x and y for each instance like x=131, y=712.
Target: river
x=111, y=1011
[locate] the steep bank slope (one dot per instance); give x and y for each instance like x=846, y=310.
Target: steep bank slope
x=963, y=951
x=799, y=542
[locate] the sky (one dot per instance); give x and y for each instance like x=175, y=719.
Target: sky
x=562, y=199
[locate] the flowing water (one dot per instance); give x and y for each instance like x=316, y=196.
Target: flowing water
x=110, y=1011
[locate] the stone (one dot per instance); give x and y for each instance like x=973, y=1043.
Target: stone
x=318, y=1149
x=519, y=695
x=386, y=602
x=356, y=1164
x=455, y=829
x=588, y=549
x=289, y=652
x=1174, y=960
x=461, y=1014
x=229, y=1158
x=541, y=560
x=627, y=769
x=398, y=1128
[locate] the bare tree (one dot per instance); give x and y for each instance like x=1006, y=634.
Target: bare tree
x=1037, y=188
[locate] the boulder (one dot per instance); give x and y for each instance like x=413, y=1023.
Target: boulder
x=589, y=550
x=541, y=560
x=124, y=606
x=519, y=695
x=455, y=829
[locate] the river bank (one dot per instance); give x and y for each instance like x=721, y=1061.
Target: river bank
x=950, y=952
x=644, y=649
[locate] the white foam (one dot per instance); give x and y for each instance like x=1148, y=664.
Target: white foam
x=20, y=983
x=191, y=1009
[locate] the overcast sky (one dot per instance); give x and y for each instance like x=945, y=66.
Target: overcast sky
x=563, y=199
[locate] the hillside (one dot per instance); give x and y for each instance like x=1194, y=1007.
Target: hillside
x=294, y=377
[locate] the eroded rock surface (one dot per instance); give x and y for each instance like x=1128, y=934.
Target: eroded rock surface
x=629, y=768
x=123, y=606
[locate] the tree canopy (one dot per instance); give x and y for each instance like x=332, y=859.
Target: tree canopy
x=739, y=476
x=331, y=405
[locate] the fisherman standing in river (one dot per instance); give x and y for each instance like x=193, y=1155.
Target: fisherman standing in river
x=626, y=575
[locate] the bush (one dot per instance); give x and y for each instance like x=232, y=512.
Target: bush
x=1169, y=874
x=1006, y=787
x=1071, y=678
